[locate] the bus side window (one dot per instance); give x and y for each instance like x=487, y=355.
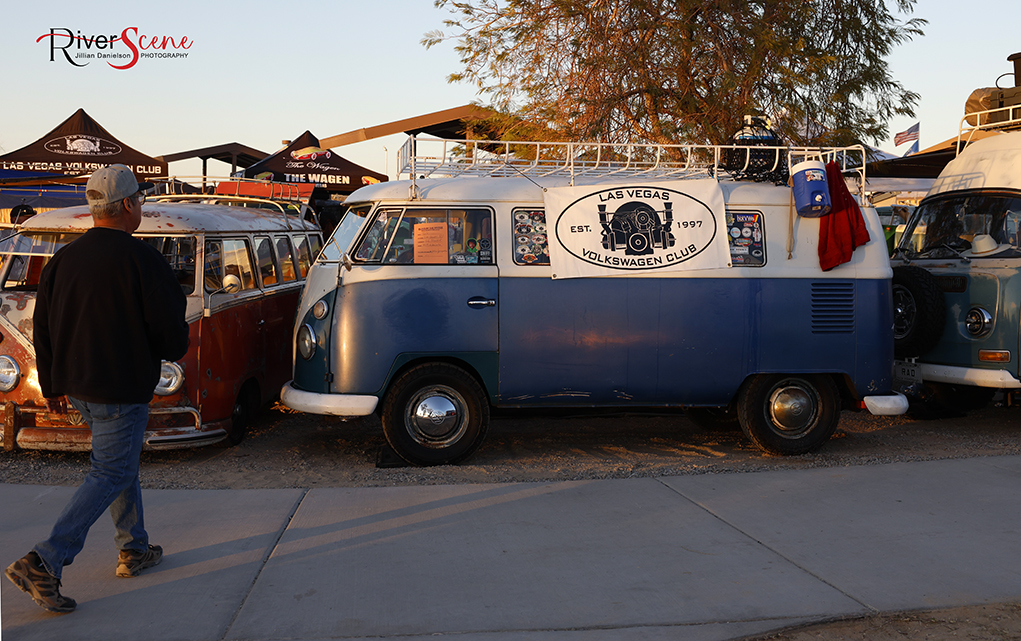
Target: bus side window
x=266, y=260
x=316, y=246
x=228, y=257
x=304, y=258
x=372, y=247
x=180, y=254
x=402, y=249
x=286, y=256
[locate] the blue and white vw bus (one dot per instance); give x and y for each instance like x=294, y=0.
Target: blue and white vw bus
x=537, y=275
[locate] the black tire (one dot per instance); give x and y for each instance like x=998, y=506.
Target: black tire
x=919, y=311
x=423, y=439
x=789, y=414
x=246, y=406
x=713, y=418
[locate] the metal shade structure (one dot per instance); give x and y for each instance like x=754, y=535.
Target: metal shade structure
x=454, y=124
x=234, y=154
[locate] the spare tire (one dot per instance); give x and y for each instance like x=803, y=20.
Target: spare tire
x=919, y=311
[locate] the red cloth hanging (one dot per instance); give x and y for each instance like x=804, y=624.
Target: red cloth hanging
x=843, y=229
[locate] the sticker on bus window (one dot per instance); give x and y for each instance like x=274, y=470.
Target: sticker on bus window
x=431, y=244
x=530, y=243
x=747, y=237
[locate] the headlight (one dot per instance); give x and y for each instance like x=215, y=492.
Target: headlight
x=319, y=310
x=171, y=379
x=10, y=373
x=978, y=322
x=306, y=342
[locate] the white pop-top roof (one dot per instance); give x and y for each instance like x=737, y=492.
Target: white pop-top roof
x=990, y=163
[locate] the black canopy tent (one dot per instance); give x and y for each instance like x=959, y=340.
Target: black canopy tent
x=922, y=165
x=305, y=161
x=79, y=146
x=44, y=174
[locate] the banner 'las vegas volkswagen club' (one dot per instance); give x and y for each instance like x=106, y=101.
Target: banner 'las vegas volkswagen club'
x=632, y=228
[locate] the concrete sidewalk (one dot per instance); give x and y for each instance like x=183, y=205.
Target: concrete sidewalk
x=696, y=557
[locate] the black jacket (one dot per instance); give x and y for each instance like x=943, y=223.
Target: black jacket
x=109, y=309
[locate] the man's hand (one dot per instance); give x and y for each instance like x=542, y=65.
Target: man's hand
x=57, y=405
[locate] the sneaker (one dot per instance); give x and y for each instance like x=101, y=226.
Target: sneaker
x=131, y=562
x=31, y=577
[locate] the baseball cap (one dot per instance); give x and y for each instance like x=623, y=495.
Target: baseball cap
x=112, y=183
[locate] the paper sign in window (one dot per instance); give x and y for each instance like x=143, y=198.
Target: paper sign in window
x=431, y=243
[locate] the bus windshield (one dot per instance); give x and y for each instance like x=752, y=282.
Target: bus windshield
x=944, y=226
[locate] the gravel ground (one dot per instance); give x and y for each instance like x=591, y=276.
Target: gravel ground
x=286, y=449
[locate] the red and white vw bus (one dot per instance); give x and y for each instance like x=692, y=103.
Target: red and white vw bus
x=241, y=262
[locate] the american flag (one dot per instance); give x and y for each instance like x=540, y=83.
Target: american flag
x=906, y=136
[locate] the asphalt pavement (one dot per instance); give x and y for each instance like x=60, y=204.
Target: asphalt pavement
x=705, y=557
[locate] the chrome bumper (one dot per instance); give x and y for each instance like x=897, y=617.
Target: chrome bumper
x=893, y=404
x=998, y=378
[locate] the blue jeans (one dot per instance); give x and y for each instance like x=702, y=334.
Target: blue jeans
x=118, y=433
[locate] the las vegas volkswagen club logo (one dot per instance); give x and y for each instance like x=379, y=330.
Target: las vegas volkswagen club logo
x=82, y=145
x=672, y=226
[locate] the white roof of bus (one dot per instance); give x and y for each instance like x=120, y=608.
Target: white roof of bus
x=457, y=190
x=524, y=191
x=177, y=218
x=991, y=163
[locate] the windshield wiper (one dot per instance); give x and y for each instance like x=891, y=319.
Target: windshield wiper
x=906, y=252
x=956, y=252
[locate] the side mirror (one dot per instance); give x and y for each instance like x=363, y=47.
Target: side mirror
x=345, y=260
x=231, y=284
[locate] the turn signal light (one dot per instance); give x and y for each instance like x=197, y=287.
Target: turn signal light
x=994, y=355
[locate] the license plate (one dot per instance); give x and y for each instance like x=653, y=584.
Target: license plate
x=907, y=372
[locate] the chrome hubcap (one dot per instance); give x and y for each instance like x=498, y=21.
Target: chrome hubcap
x=436, y=416
x=792, y=409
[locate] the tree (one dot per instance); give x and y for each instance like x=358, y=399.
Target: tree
x=676, y=71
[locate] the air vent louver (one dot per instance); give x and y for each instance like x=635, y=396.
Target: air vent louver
x=833, y=307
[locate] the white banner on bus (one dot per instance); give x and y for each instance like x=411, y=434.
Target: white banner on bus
x=632, y=228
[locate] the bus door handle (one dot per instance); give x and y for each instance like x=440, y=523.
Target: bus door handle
x=478, y=302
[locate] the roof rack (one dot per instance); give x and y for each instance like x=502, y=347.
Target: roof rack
x=233, y=186
x=436, y=157
x=1002, y=118
x=281, y=198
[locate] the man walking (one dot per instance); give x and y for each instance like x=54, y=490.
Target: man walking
x=108, y=310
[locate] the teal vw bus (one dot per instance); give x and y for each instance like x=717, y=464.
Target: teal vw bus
x=957, y=274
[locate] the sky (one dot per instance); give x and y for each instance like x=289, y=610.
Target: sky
x=259, y=72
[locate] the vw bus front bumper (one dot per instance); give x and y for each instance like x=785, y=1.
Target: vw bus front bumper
x=31, y=427
x=893, y=404
x=330, y=404
x=998, y=378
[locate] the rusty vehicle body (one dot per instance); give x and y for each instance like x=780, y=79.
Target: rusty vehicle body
x=241, y=262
